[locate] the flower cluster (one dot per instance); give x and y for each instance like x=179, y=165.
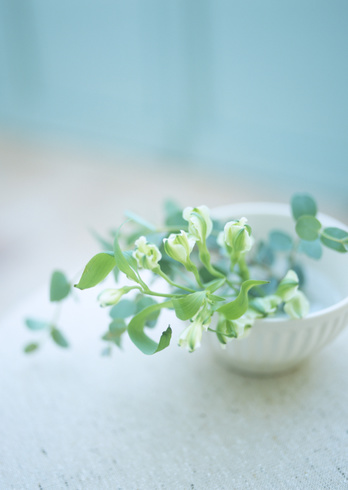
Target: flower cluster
x=236, y=239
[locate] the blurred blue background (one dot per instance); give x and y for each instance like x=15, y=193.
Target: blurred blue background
x=252, y=88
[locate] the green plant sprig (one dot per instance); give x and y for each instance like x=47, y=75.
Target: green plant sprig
x=208, y=268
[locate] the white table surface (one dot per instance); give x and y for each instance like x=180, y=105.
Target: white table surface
x=73, y=419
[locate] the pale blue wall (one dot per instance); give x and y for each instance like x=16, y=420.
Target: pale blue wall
x=249, y=85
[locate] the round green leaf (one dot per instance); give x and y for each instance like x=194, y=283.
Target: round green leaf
x=335, y=238
x=117, y=326
x=264, y=254
x=280, y=241
x=308, y=227
x=123, y=309
x=303, y=205
x=33, y=324
x=59, y=287
x=107, y=351
x=311, y=249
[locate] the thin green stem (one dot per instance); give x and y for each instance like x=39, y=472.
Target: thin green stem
x=192, y=268
x=341, y=241
x=162, y=295
x=205, y=258
x=172, y=283
x=243, y=268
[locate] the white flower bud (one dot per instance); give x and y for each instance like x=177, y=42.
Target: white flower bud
x=110, y=297
x=297, y=306
x=200, y=224
x=192, y=335
x=288, y=286
x=146, y=254
x=237, y=236
x=179, y=246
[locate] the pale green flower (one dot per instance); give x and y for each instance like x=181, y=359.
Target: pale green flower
x=297, y=306
x=110, y=296
x=192, y=335
x=243, y=325
x=288, y=286
x=266, y=305
x=235, y=329
x=146, y=254
x=237, y=236
x=179, y=246
x=200, y=224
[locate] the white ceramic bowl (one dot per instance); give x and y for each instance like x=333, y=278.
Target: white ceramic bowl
x=276, y=345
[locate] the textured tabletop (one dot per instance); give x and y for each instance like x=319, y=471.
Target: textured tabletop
x=73, y=419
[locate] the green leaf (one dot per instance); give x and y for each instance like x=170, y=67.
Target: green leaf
x=143, y=302
x=311, y=249
x=123, y=261
x=110, y=337
x=140, y=221
x=59, y=338
x=107, y=351
x=33, y=324
x=60, y=286
x=335, y=238
x=173, y=213
x=117, y=326
x=187, y=306
x=264, y=254
x=128, y=255
x=280, y=241
x=216, y=298
x=96, y=270
x=303, y=205
x=307, y=228
x=215, y=285
x=123, y=309
x=171, y=207
x=116, y=273
x=236, y=308
x=116, y=329
x=32, y=347
x=138, y=336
